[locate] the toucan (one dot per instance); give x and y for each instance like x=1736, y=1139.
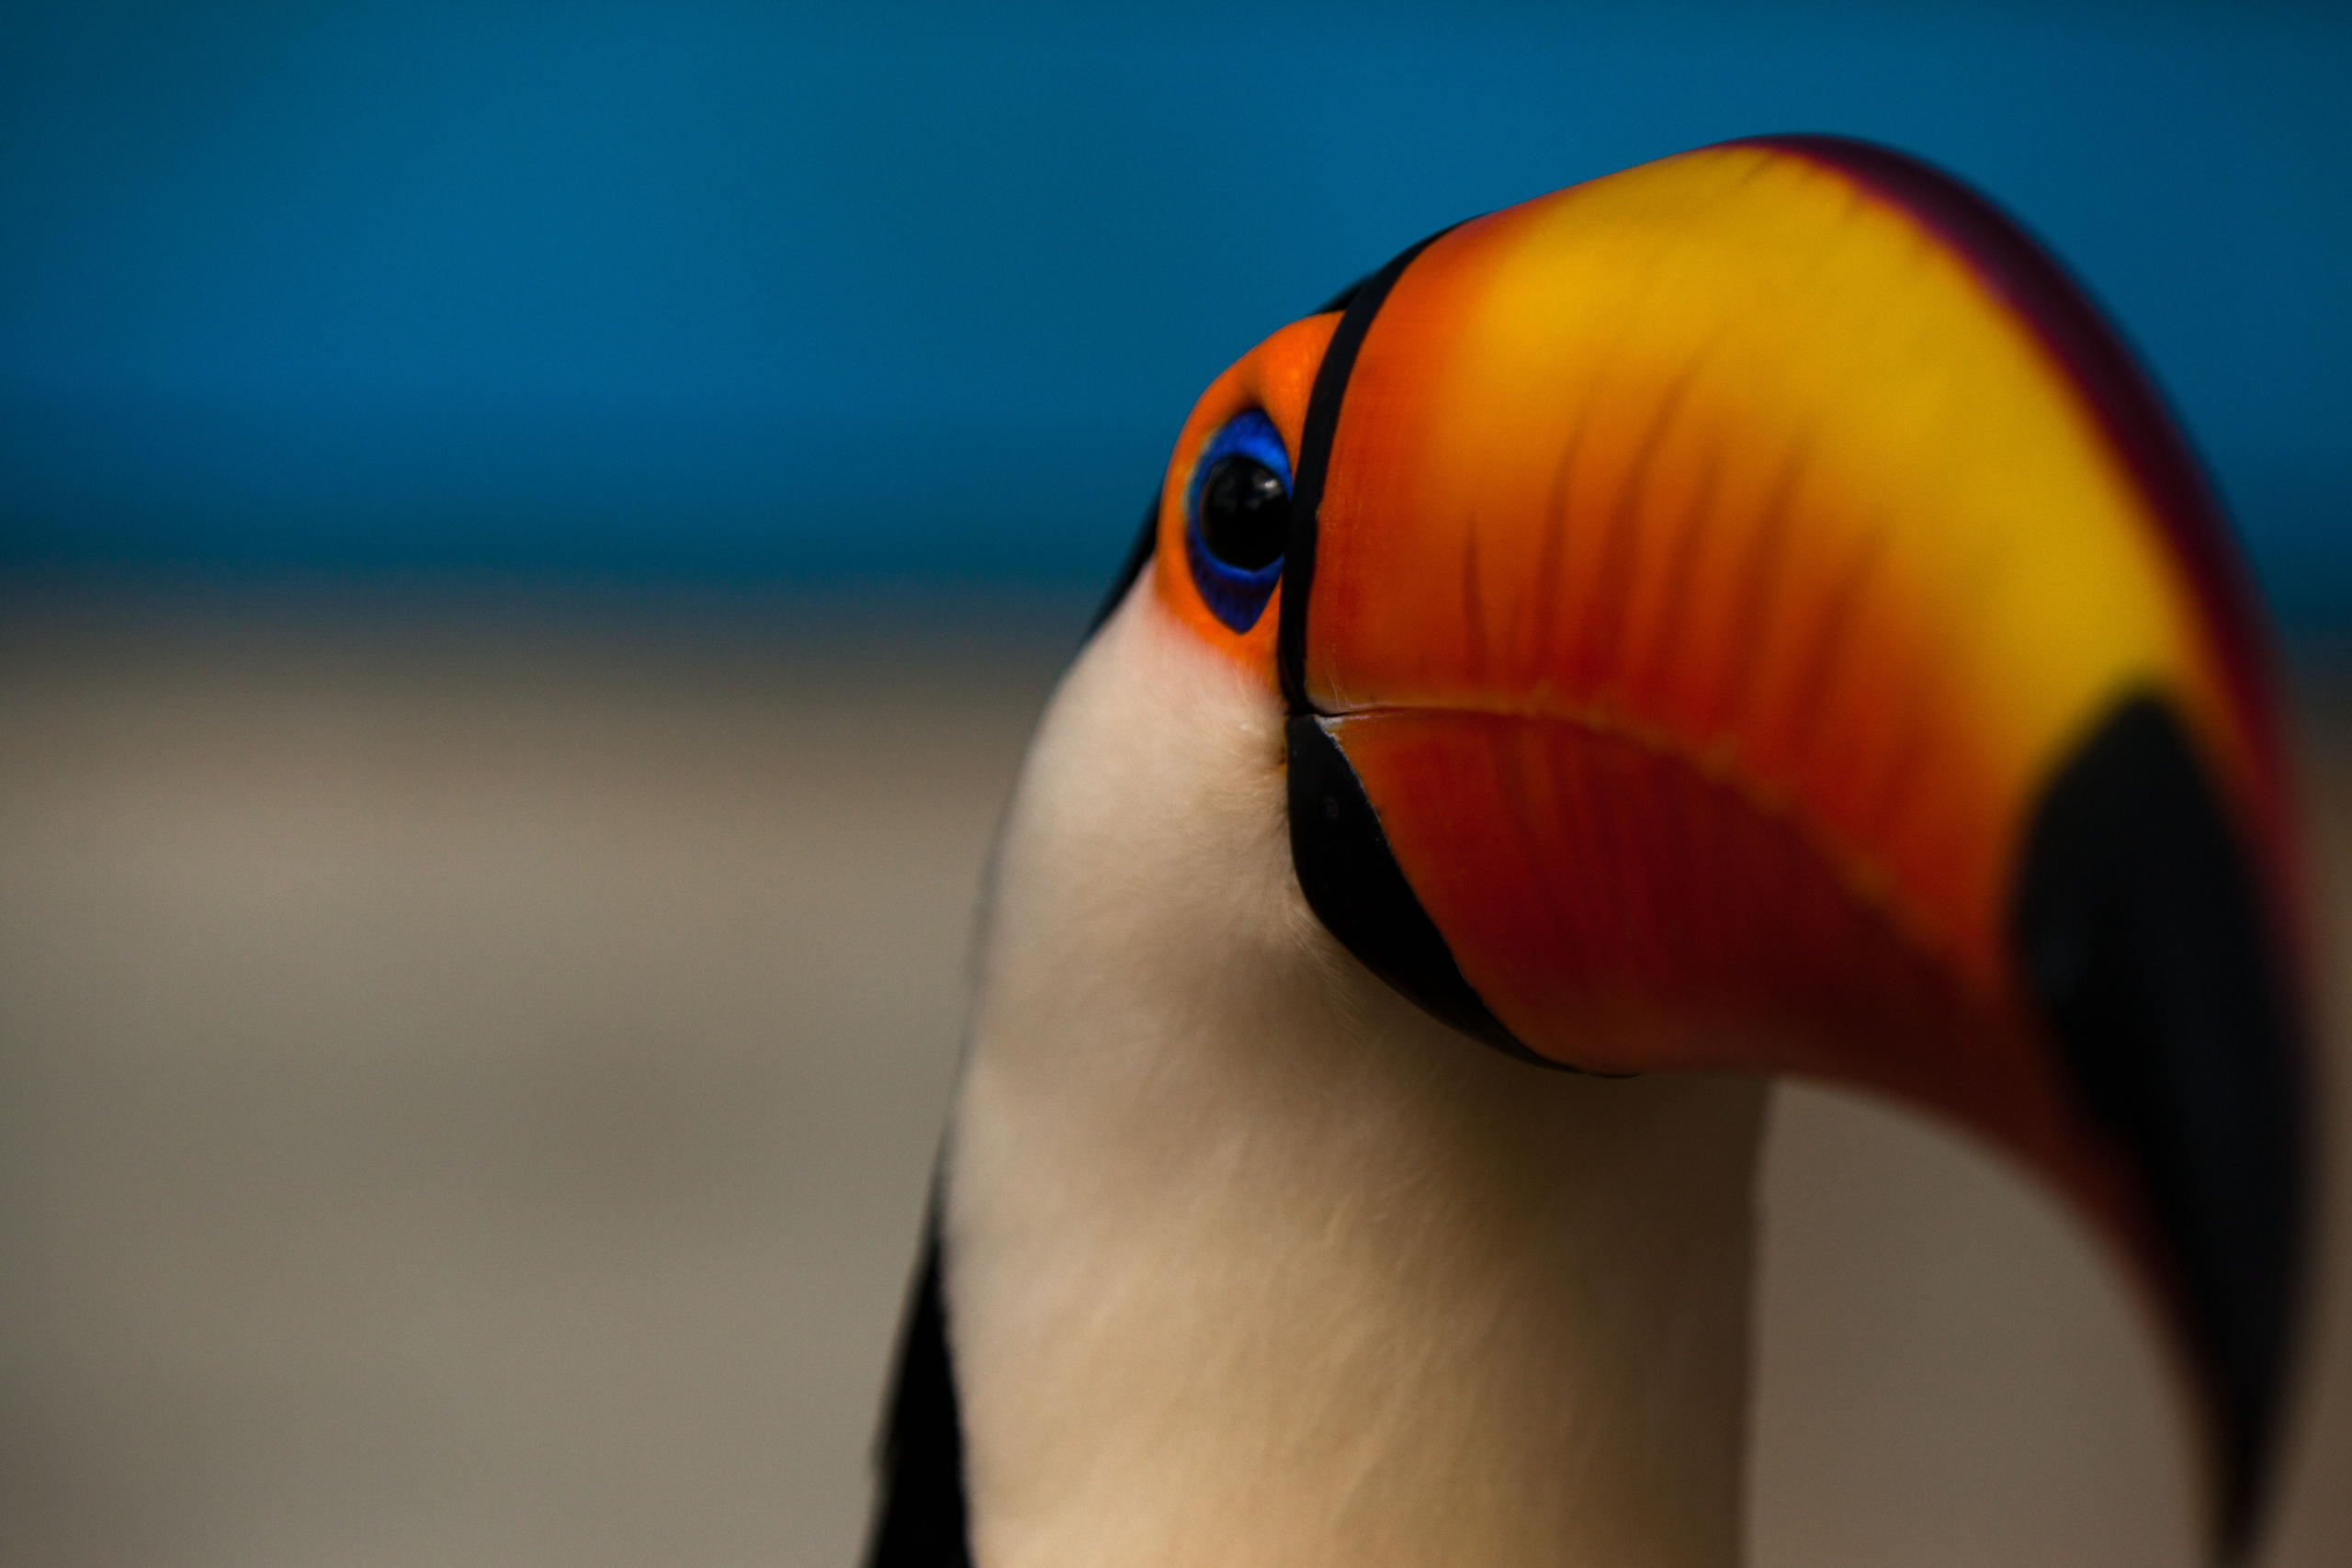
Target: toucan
x=1744, y=616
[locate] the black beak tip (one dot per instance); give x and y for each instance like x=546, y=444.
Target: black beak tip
x=2144, y=936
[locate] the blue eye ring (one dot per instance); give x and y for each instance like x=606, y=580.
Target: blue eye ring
x=1235, y=594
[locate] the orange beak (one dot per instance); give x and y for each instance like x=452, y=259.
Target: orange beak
x=1748, y=612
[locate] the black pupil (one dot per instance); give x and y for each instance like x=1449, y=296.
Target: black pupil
x=1245, y=513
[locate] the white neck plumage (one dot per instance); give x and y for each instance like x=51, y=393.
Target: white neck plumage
x=1251, y=1263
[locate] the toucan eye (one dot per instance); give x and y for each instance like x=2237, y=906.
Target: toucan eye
x=1245, y=511
x=1238, y=518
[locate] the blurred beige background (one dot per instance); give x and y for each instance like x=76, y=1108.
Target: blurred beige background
x=468, y=1086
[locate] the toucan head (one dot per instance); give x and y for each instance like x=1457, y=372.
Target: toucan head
x=1748, y=612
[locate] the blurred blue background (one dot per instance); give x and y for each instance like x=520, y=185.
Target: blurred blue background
x=906, y=295
x=474, y=1028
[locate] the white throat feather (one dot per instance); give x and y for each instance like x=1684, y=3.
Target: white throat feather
x=1249, y=1261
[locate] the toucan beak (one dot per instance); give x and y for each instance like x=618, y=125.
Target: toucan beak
x=1750, y=613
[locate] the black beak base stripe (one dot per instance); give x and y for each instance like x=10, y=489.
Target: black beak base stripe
x=1314, y=463
x=1354, y=885
x=1345, y=867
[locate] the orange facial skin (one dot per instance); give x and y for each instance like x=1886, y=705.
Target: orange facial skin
x=1277, y=378
x=1714, y=565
